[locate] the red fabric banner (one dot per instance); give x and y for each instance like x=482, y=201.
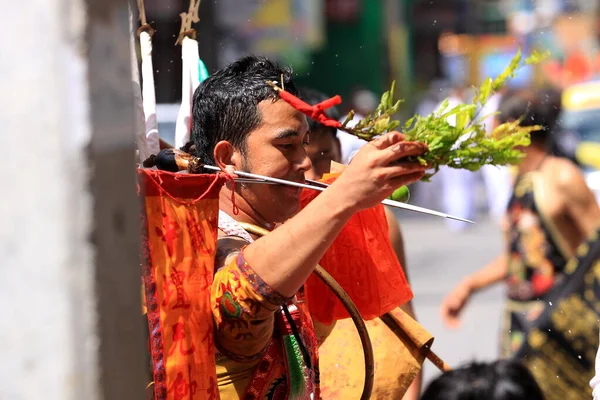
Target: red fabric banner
x=179, y=228
x=362, y=260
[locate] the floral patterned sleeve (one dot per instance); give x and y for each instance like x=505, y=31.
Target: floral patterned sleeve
x=244, y=309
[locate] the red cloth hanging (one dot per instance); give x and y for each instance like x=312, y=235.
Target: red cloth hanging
x=362, y=260
x=179, y=241
x=316, y=112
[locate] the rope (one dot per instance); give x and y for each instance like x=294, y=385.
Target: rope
x=234, y=206
x=296, y=334
x=142, y=10
x=187, y=19
x=145, y=25
x=158, y=182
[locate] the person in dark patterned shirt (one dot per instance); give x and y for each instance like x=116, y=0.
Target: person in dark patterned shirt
x=551, y=212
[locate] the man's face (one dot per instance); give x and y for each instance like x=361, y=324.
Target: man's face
x=276, y=149
x=322, y=148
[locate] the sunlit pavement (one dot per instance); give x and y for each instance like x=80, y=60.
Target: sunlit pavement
x=437, y=259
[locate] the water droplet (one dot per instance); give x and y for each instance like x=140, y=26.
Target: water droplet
x=579, y=356
x=550, y=302
x=434, y=21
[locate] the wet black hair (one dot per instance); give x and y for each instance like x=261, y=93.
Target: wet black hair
x=499, y=380
x=312, y=97
x=225, y=105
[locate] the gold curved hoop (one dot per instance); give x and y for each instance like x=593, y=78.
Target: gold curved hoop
x=335, y=287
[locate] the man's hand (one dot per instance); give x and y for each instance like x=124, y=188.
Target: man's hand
x=454, y=303
x=378, y=169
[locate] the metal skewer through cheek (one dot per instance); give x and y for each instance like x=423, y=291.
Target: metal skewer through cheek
x=254, y=178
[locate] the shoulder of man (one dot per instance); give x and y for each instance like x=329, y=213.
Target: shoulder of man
x=564, y=173
x=569, y=184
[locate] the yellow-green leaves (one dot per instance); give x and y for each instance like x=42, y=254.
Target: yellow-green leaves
x=456, y=136
x=485, y=91
x=387, y=99
x=464, y=116
x=349, y=118
x=536, y=58
x=380, y=121
x=442, y=108
x=509, y=72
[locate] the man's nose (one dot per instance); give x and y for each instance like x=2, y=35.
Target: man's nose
x=304, y=164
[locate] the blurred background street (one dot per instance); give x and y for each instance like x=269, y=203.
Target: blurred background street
x=437, y=259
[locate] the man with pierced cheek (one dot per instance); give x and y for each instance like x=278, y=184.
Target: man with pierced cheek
x=264, y=336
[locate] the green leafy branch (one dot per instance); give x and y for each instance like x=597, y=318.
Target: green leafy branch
x=464, y=143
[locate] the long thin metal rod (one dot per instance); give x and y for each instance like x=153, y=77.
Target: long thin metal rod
x=406, y=206
x=387, y=202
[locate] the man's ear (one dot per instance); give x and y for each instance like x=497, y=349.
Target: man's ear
x=224, y=154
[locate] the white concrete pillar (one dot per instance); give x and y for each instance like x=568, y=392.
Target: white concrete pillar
x=70, y=324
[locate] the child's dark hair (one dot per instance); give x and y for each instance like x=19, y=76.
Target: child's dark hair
x=500, y=380
x=313, y=97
